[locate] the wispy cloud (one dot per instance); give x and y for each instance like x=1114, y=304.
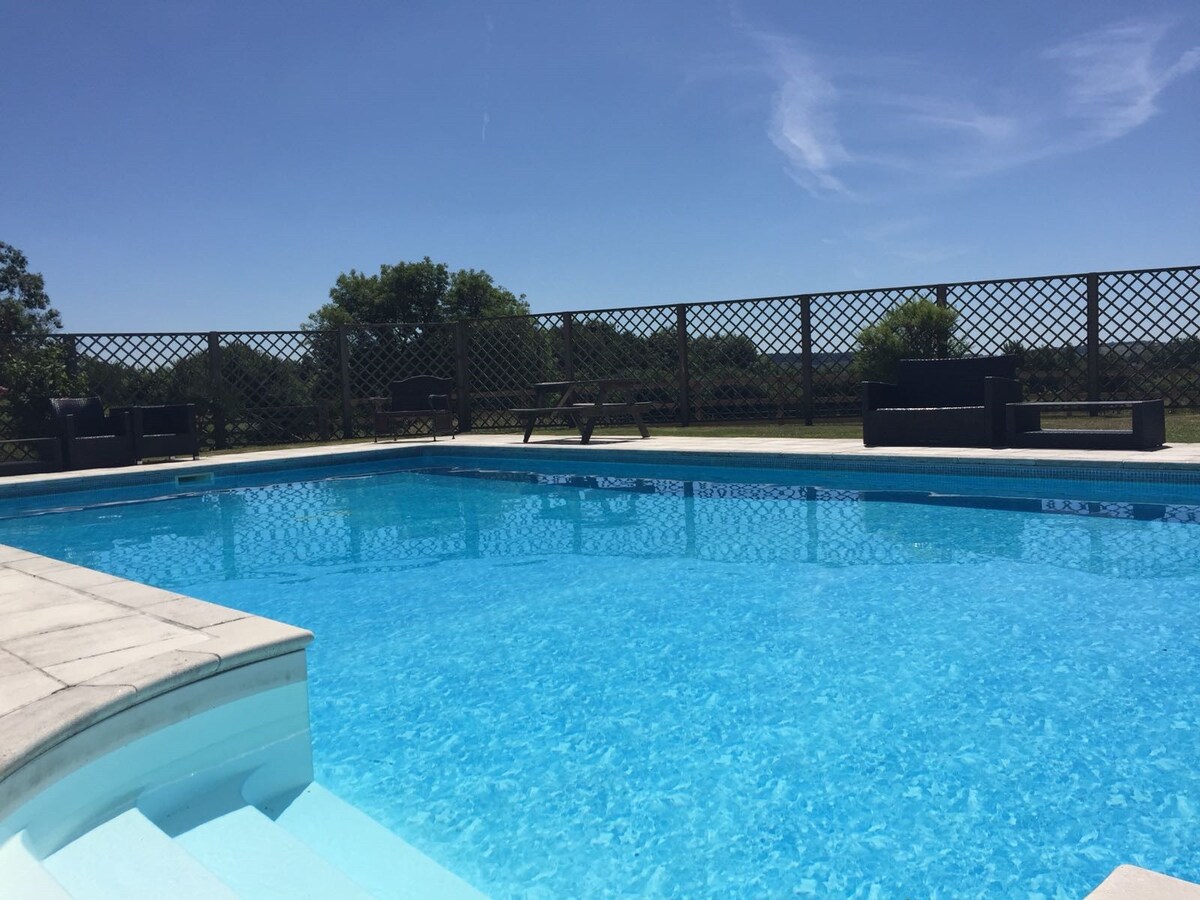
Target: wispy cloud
x=802, y=122
x=843, y=125
x=1113, y=76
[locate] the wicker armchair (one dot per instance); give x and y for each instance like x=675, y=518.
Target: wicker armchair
x=89, y=438
x=163, y=430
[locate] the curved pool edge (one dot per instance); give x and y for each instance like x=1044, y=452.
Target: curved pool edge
x=88, y=646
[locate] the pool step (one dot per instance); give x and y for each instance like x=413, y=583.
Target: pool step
x=258, y=859
x=373, y=856
x=316, y=846
x=129, y=857
x=21, y=875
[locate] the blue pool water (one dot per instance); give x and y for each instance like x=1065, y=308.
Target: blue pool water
x=675, y=683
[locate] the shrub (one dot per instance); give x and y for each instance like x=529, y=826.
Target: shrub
x=916, y=329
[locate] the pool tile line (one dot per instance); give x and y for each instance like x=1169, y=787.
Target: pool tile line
x=1179, y=463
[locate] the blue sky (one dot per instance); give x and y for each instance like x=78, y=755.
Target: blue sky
x=214, y=165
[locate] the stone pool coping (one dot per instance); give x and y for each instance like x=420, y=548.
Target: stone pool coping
x=78, y=646
x=1173, y=457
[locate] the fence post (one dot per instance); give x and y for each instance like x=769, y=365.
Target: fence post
x=344, y=377
x=214, y=389
x=462, y=375
x=568, y=350
x=1093, y=336
x=72, y=360
x=939, y=294
x=681, y=343
x=806, y=360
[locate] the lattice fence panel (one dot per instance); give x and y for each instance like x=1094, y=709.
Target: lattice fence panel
x=1042, y=321
x=744, y=360
x=507, y=357
x=147, y=370
x=744, y=357
x=381, y=354
x=1150, y=336
x=639, y=343
x=837, y=320
x=279, y=386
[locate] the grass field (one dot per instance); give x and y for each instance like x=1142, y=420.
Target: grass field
x=1182, y=428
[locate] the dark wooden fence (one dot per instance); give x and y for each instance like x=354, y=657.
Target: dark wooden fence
x=1101, y=335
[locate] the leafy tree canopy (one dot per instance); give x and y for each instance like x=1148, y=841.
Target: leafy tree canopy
x=32, y=367
x=24, y=305
x=916, y=329
x=415, y=292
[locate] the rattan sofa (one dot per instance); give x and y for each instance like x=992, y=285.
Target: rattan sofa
x=941, y=403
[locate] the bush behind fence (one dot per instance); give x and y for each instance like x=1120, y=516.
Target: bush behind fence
x=1109, y=335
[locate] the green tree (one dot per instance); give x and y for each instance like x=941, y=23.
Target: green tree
x=415, y=292
x=262, y=396
x=722, y=353
x=33, y=362
x=24, y=305
x=916, y=329
x=602, y=350
x=474, y=295
x=413, y=305
x=1060, y=373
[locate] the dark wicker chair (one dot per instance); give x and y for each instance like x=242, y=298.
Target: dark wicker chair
x=90, y=439
x=163, y=430
x=413, y=399
x=941, y=403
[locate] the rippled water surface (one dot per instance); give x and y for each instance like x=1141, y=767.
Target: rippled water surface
x=583, y=686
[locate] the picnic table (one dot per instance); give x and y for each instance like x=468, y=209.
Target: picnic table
x=584, y=413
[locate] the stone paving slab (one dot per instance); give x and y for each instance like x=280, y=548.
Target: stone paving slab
x=25, y=687
x=77, y=671
x=60, y=645
x=1132, y=883
x=12, y=665
x=39, y=619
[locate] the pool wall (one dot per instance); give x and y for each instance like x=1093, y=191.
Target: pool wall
x=171, y=756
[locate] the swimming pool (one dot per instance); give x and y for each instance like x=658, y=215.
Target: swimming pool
x=577, y=677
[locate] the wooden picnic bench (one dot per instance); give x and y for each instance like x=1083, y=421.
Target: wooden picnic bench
x=584, y=414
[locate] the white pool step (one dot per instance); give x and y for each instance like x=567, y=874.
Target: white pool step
x=258, y=859
x=373, y=856
x=317, y=846
x=21, y=875
x=129, y=857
